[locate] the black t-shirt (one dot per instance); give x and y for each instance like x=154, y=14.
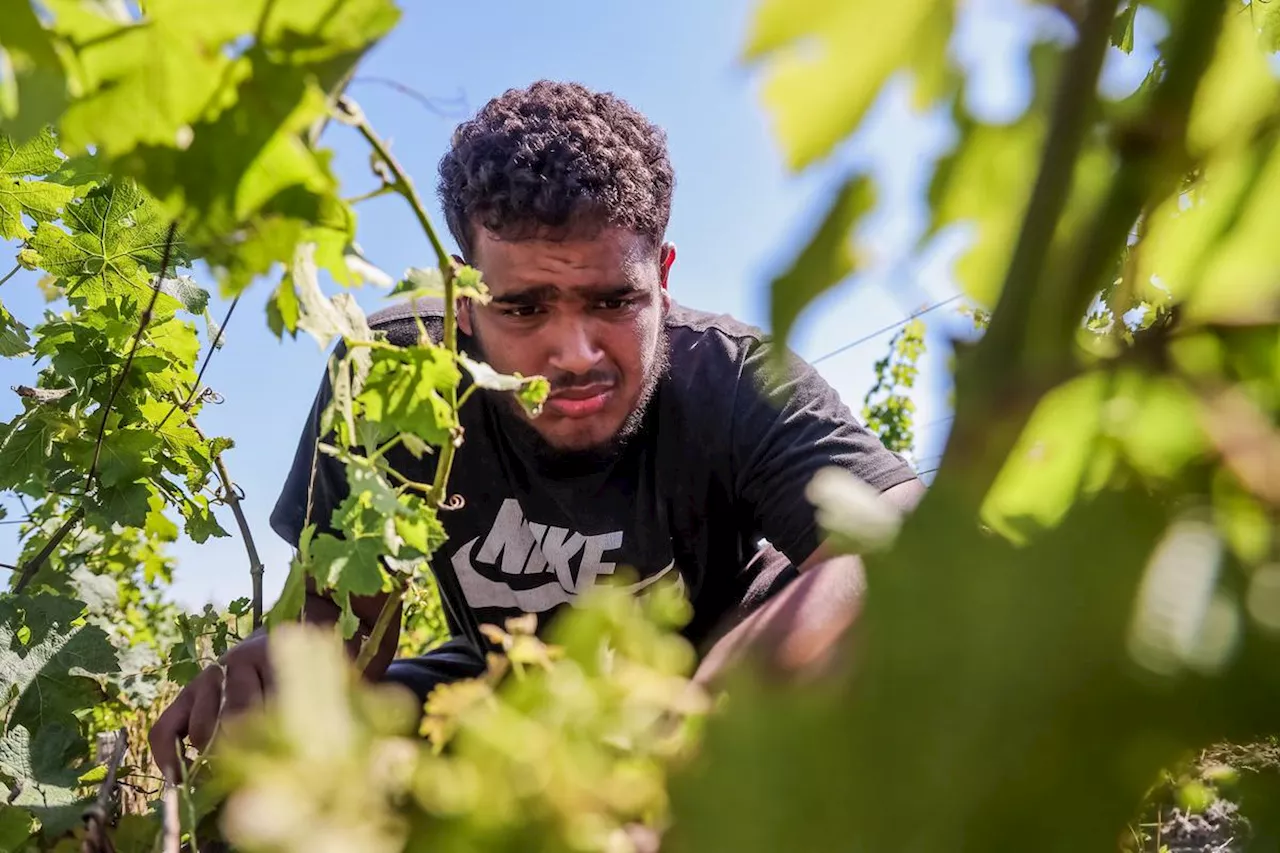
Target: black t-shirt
x=720, y=463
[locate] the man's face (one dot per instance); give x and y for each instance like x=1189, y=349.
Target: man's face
x=585, y=313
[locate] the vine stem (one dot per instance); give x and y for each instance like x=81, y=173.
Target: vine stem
x=133, y=350
x=11, y=273
x=256, y=569
x=172, y=832
x=204, y=365
x=373, y=642
x=30, y=567
x=1028, y=345
x=399, y=181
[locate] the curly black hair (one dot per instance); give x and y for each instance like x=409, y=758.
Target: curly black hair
x=556, y=159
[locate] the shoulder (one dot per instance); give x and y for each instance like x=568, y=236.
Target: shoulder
x=710, y=340
x=694, y=324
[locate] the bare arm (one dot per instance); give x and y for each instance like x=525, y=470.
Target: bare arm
x=799, y=629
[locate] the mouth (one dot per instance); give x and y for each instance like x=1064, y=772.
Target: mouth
x=580, y=402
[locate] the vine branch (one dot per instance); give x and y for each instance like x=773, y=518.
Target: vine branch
x=30, y=567
x=213, y=347
x=394, y=176
x=256, y=568
x=374, y=641
x=11, y=273
x=1007, y=337
x=128, y=362
x=994, y=398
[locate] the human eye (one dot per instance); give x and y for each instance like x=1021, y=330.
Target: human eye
x=615, y=303
x=521, y=311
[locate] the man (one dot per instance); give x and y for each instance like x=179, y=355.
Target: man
x=667, y=445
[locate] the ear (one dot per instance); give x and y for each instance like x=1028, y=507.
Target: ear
x=462, y=305
x=666, y=257
x=462, y=310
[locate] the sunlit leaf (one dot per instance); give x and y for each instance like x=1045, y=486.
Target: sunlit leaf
x=827, y=260
x=201, y=522
x=161, y=71
x=193, y=297
x=125, y=456
x=19, y=194
x=530, y=391
x=322, y=317
x=1122, y=29
x=828, y=60
x=405, y=391
x=115, y=247
x=420, y=283
x=1050, y=465
x=1213, y=251
x=1239, y=91
x=1266, y=21
x=282, y=309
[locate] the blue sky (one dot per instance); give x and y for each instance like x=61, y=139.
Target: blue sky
x=737, y=215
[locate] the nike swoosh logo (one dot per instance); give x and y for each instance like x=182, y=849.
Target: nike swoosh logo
x=481, y=591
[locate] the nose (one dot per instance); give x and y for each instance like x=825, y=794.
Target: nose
x=575, y=349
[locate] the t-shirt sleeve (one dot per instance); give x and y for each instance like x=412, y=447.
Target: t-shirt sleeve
x=789, y=423
x=316, y=482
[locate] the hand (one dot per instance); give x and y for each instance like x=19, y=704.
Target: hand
x=195, y=713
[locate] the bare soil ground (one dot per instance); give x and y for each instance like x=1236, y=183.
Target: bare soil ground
x=1244, y=809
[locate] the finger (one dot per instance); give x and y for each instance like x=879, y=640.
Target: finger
x=168, y=731
x=244, y=688
x=205, y=706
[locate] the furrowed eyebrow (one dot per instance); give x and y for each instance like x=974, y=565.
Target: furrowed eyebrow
x=529, y=296
x=612, y=291
x=550, y=293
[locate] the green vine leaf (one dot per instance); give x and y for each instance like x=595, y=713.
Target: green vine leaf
x=124, y=504
x=26, y=443
x=126, y=456
x=115, y=246
x=160, y=71
x=420, y=283
x=14, y=340
x=38, y=764
x=405, y=392
x=530, y=391
x=1266, y=21
x=282, y=309
x=41, y=200
x=16, y=826
x=818, y=95
x=193, y=297
x=201, y=522
x=1122, y=29
x=53, y=670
